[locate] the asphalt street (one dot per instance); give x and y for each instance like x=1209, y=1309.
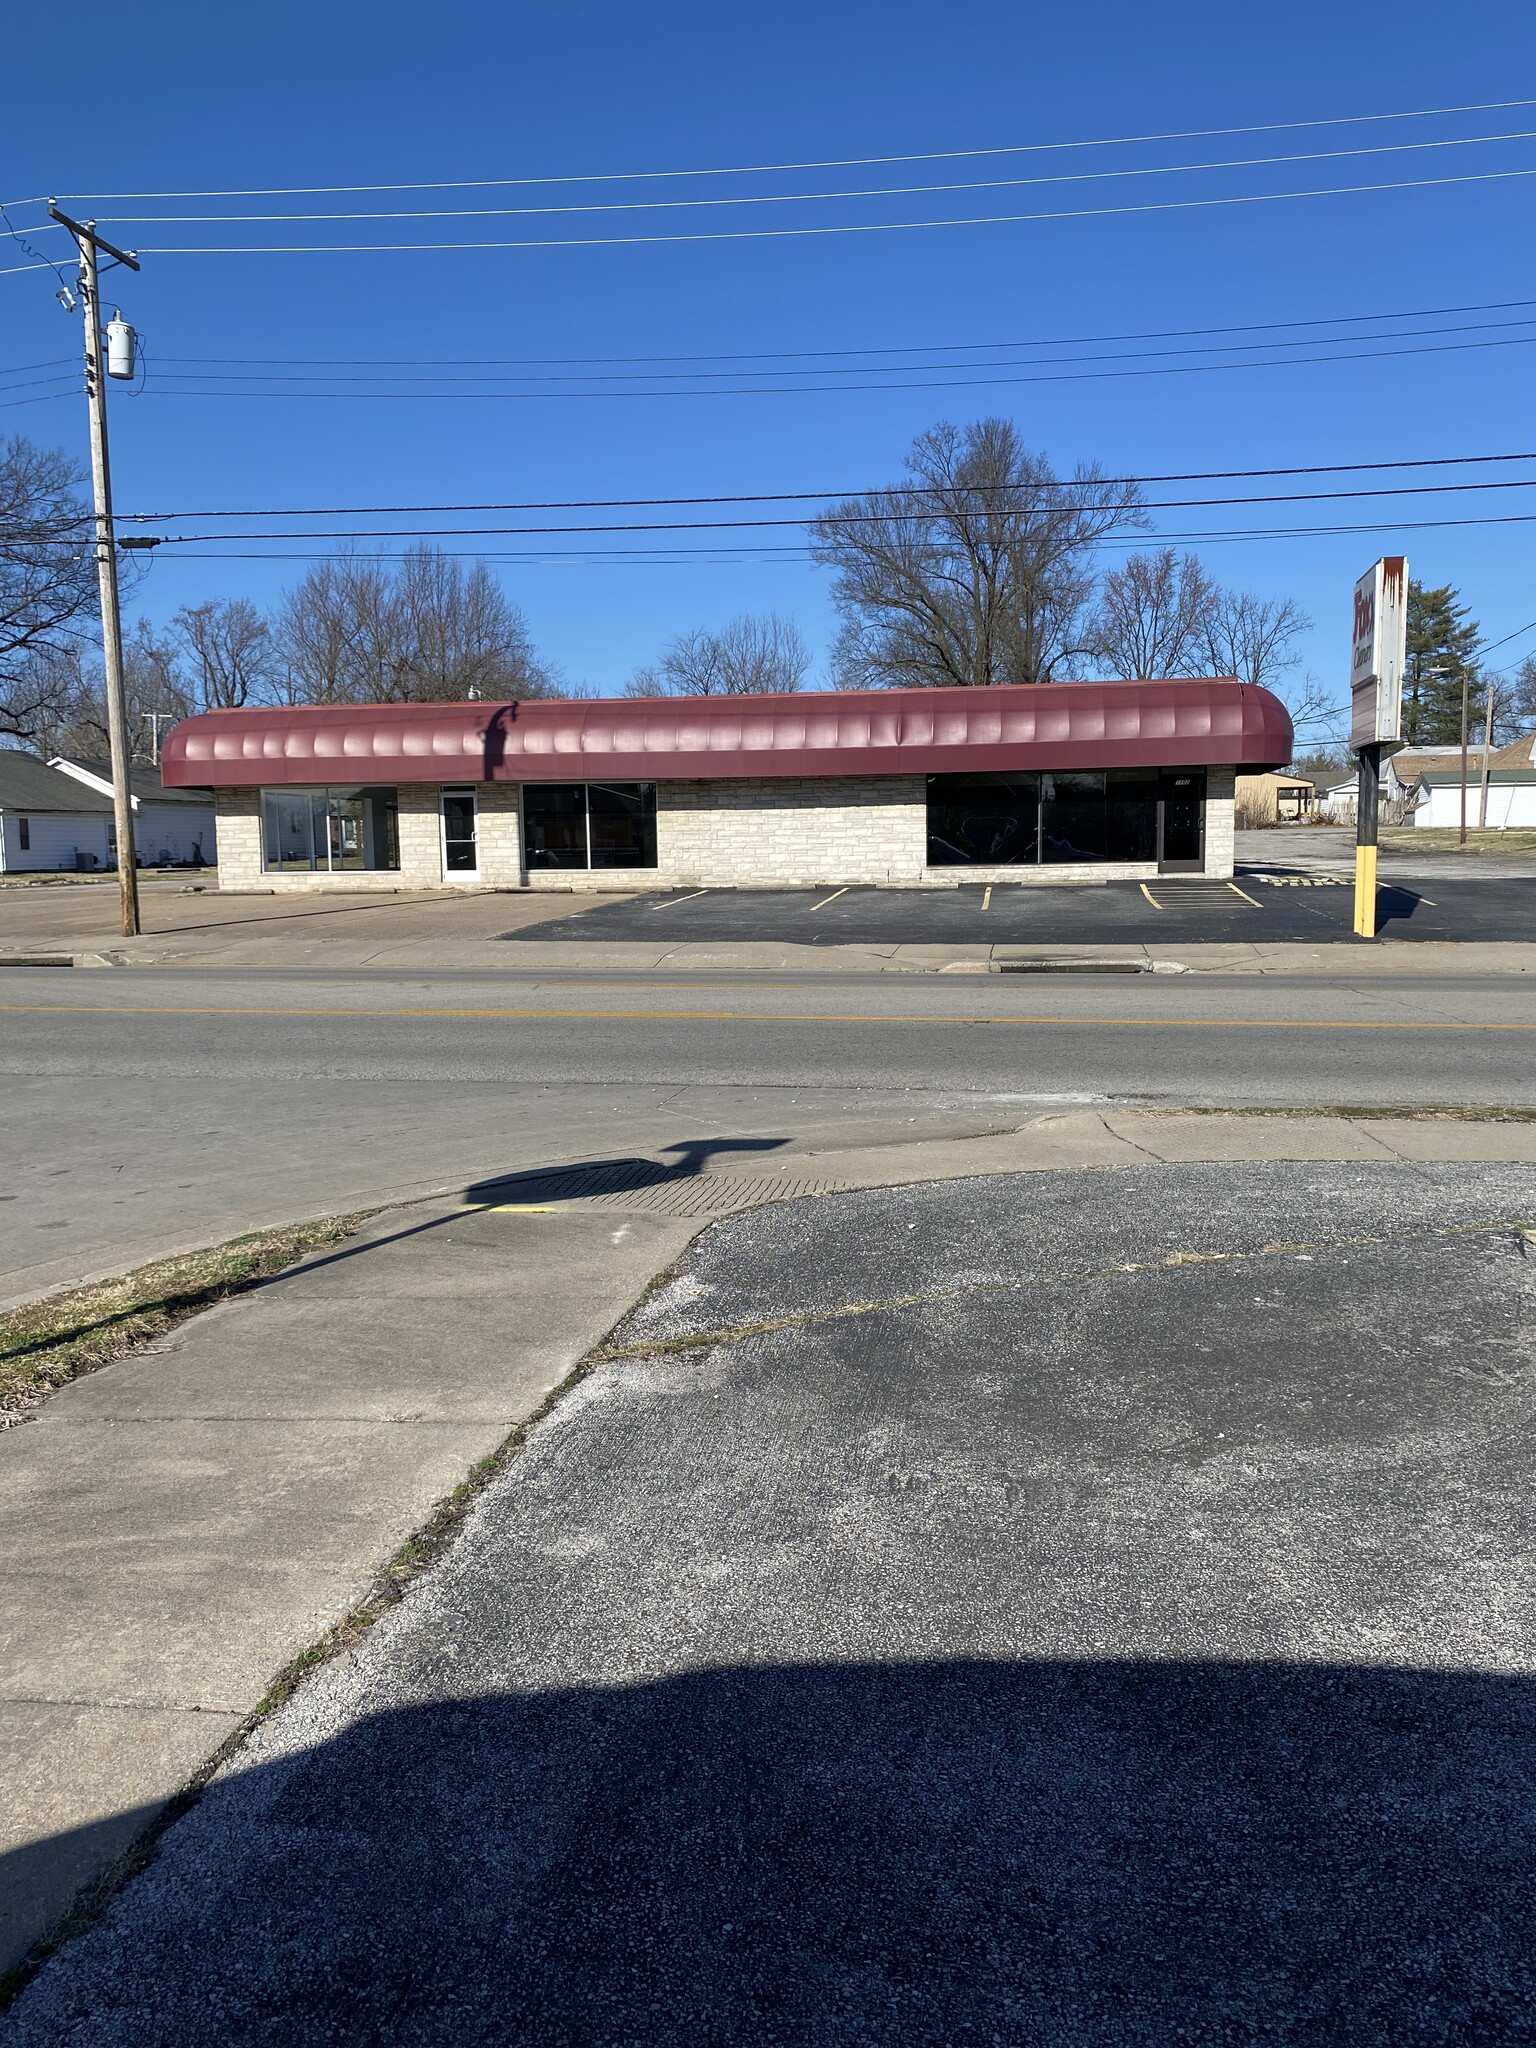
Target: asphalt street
x=1172, y=910
x=153, y=1110
x=1047, y=1610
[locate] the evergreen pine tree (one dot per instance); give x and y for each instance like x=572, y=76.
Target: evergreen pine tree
x=1441, y=637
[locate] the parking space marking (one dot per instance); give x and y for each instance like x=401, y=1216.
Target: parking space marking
x=831, y=899
x=668, y=901
x=986, y=897
x=1245, y=896
x=1150, y=897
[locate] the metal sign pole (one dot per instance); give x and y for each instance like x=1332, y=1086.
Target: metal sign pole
x=1367, y=811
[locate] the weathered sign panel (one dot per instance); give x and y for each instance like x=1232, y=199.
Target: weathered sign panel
x=1378, y=653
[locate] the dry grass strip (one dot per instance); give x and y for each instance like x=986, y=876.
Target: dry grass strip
x=46, y=1344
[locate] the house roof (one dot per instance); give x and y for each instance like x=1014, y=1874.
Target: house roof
x=1410, y=762
x=1443, y=778
x=144, y=782
x=1173, y=724
x=27, y=784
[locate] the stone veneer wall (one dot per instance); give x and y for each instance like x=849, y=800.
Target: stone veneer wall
x=750, y=832
x=421, y=844
x=769, y=830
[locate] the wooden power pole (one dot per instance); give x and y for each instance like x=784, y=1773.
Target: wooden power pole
x=89, y=242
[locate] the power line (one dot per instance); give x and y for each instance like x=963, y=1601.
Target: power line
x=836, y=390
x=800, y=233
x=817, y=164
x=925, y=348
x=1205, y=537
x=889, y=227
x=1188, y=476
x=258, y=376
x=818, y=198
x=857, y=517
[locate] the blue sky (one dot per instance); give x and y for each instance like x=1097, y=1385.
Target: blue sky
x=176, y=98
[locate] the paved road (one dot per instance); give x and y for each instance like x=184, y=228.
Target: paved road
x=1169, y=912
x=154, y=1110
x=1089, y=1609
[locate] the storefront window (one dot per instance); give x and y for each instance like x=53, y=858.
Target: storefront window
x=329, y=831
x=589, y=824
x=1062, y=817
x=983, y=820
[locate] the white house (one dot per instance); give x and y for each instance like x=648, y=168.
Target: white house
x=171, y=827
x=1426, y=782
x=49, y=822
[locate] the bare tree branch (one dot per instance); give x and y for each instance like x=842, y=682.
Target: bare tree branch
x=982, y=576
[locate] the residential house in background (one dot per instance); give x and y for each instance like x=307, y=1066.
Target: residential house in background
x=56, y=818
x=1422, y=786
x=1273, y=800
x=49, y=822
x=171, y=827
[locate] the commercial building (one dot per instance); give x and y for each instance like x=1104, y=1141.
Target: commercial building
x=1050, y=782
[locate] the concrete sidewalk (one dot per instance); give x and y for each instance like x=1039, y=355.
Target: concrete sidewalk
x=434, y=931
x=177, y=1527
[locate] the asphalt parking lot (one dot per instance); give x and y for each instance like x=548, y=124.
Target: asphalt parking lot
x=1170, y=911
x=1050, y=1609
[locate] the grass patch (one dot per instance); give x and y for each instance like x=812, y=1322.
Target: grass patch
x=48, y=1343
x=1447, y=838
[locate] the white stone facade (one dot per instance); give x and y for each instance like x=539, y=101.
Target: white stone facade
x=749, y=832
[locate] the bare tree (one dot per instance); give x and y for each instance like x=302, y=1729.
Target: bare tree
x=1252, y=638
x=977, y=572
x=154, y=690
x=461, y=635
x=229, y=646
x=48, y=592
x=359, y=631
x=763, y=655
x=1152, y=614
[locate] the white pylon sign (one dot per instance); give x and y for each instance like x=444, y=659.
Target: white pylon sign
x=1379, y=653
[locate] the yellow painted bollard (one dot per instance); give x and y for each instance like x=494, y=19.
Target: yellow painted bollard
x=1365, y=892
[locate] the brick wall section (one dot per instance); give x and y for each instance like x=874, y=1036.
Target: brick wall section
x=758, y=831
x=237, y=827
x=1220, y=820
x=750, y=832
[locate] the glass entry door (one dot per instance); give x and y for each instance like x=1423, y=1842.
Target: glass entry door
x=461, y=845
x=1181, y=819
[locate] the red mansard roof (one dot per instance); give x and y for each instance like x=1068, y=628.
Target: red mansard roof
x=1207, y=722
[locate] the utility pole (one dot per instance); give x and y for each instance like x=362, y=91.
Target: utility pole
x=89, y=242
x=1465, y=689
x=1482, y=794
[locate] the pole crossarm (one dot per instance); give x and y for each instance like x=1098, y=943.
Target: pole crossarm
x=85, y=231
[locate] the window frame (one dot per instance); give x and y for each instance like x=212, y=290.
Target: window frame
x=644, y=794
x=327, y=826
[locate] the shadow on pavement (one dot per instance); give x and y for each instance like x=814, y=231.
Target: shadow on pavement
x=1040, y=1853
x=534, y=1184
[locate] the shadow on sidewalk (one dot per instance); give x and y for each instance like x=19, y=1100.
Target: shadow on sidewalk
x=1035, y=1853
x=533, y=1185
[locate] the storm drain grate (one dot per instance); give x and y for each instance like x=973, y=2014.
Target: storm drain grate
x=641, y=1184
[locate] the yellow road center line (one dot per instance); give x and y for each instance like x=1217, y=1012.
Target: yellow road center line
x=667, y=902
x=986, y=897
x=831, y=899
x=1070, y=1023
x=1150, y=897
x=1245, y=896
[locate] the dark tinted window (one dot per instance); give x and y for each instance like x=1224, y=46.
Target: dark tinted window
x=622, y=816
x=983, y=820
x=555, y=824
x=1131, y=815
x=1072, y=816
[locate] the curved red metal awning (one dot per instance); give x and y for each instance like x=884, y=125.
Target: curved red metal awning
x=1203, y=723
